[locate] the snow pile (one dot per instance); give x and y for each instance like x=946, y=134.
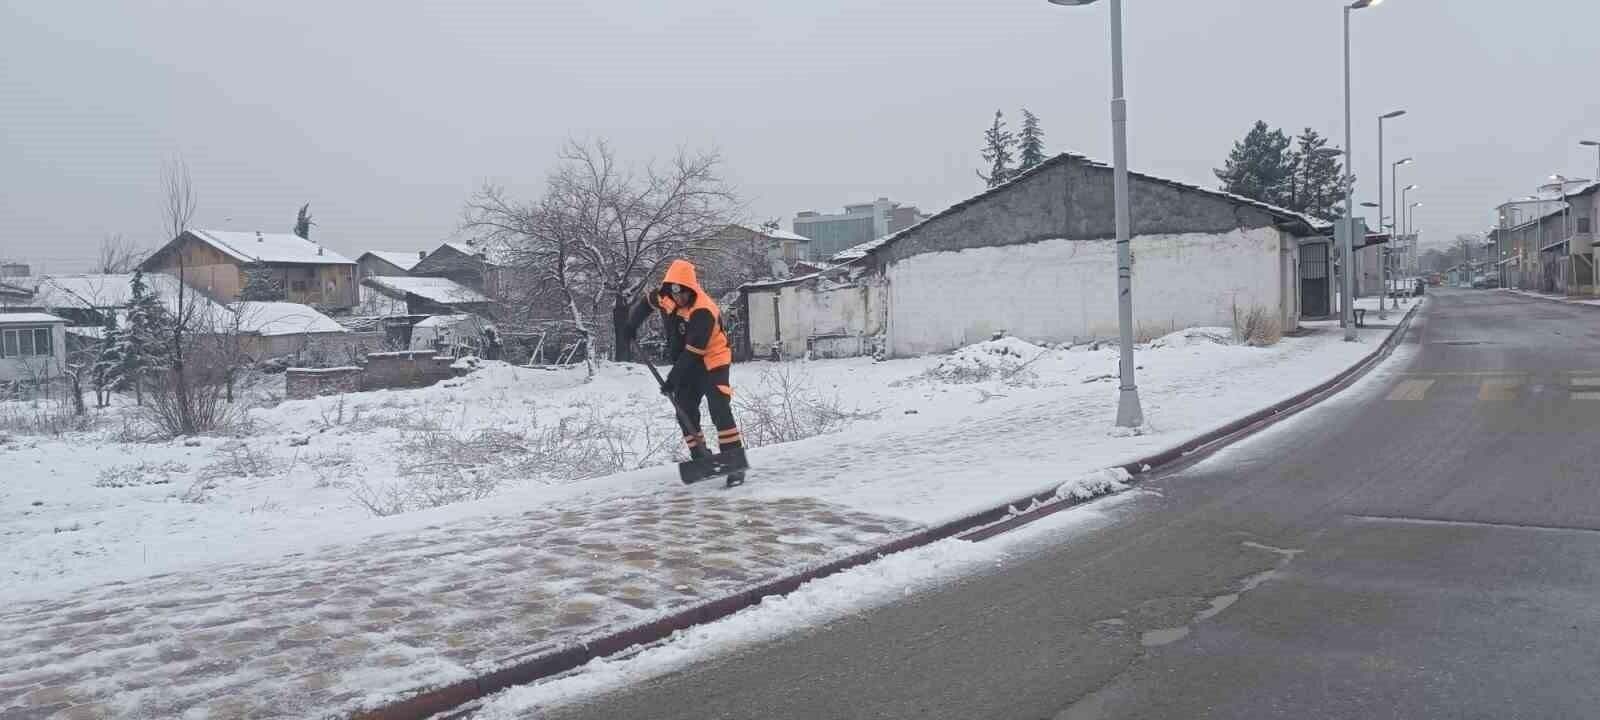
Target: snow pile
x=1194, y=336
x=1003, y=359
x=1095, y=484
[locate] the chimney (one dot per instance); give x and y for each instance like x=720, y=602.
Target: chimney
x=422, y=254
x=259, y=238
x=319, y=249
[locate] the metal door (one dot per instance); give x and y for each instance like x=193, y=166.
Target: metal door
x=1314, y=275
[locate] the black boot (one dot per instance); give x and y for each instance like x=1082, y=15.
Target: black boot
x=733, y=457
x=699, y=452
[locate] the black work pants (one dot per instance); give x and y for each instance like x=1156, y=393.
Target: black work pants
x=712, y=385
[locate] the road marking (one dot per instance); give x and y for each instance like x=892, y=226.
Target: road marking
x=1498, y=390
x=1417, y=520
x=1586, y=396
x=1469, y=373
x=1586, y=382
x=1411, y=389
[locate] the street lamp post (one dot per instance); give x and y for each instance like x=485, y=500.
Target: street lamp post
x=1596, y=146
x=1129, y=412
x=1394, y=189
x=1348, y=222
x=1383, y=301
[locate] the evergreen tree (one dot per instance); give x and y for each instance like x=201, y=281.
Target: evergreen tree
x=997, y=144
x=1316, y=187
x=1260, y=166
x=302, y=222
x=260, y=285
x=1030, y=142
x=107, y=369
x=141, y=344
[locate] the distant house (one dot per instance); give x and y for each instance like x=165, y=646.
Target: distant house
x=475, y=268
x=385, y=263
x=86, y=301
x=216, y=261
x=275, y=329
x=13, y=294
x=430, y=295
x=32, y=346
x=1036, y=258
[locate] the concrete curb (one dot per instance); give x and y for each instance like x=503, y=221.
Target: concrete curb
x=978, y=526
x=1547, y=298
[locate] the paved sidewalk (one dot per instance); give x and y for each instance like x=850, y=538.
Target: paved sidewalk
x=323, y=633
x=1568, y=299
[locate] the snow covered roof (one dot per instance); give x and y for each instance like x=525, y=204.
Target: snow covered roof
x=31, y=318
x=402, y=260
x=270, y=247
x=776, y=233
x=14, y=290
x=283, y=318
x=1311, y=222
x=90, y=291
x=493, y=253
x=437, y=289
x=444, y=321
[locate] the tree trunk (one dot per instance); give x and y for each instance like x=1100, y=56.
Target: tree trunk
x=621, y=351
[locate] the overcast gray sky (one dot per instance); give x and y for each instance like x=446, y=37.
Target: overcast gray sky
x=386, y=116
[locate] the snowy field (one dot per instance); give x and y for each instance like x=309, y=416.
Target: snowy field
x=920, y=439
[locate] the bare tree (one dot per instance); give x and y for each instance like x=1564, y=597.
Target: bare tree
x=117, y=255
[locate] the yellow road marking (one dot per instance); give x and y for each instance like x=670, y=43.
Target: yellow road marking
x=1410, y=389
x=1498, y=390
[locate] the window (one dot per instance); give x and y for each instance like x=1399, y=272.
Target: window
x=1583, y=225
x=298, y=286
x=25, y=342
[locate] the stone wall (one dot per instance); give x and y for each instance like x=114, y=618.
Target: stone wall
x=405, y=368
x=302, y=383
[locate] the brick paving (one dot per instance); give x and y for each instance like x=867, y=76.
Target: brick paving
x=324, y=633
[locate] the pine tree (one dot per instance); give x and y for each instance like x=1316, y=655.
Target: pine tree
x=107, y=370
x=1260, y=166
x=997, y=144
x=1030, y=142
x=302, y=222
x=260, y=285
x=1316, y=187
x=141, y=343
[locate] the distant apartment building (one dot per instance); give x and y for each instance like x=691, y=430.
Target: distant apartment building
x=857, y=224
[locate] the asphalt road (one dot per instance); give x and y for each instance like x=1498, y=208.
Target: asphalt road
x=1426, y=545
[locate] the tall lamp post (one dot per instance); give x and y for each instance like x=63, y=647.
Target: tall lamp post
x=1129, y=412
x=1394, y=189
x=1348, y=222
x=1383, y=301
x=1596, y=146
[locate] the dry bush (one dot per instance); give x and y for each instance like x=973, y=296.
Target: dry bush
x=443, y=466
x=785, y=406
x=48, y=412
x=188, y=403
x=140, y=474
x=240, y=459
x=1256, y=327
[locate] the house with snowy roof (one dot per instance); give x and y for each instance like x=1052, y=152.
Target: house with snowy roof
x=387, y=263
x=32, y=347
x=216, y=261
x=429, y=295
x=1036, y=258
x=476, y=267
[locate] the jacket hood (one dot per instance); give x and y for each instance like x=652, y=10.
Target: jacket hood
x=682, y=273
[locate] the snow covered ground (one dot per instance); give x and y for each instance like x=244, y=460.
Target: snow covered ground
x=526, y=468
x=986, y=423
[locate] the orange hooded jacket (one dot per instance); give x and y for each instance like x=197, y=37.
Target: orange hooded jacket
x=705, y=336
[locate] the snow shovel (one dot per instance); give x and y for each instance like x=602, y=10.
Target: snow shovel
x=693, y=471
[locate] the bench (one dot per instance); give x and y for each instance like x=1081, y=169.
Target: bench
x=1361, y=316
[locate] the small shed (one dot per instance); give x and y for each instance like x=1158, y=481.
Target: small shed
x=275, y=329
x=32, y=346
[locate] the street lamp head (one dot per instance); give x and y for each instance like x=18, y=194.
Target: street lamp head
x=1369, y=204
x=1388, y=116
x=1590, y=143
x=1406, y=161
x=1070, y=3
x=1357, y=5
x=1411, y=187
x=1416, y=204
